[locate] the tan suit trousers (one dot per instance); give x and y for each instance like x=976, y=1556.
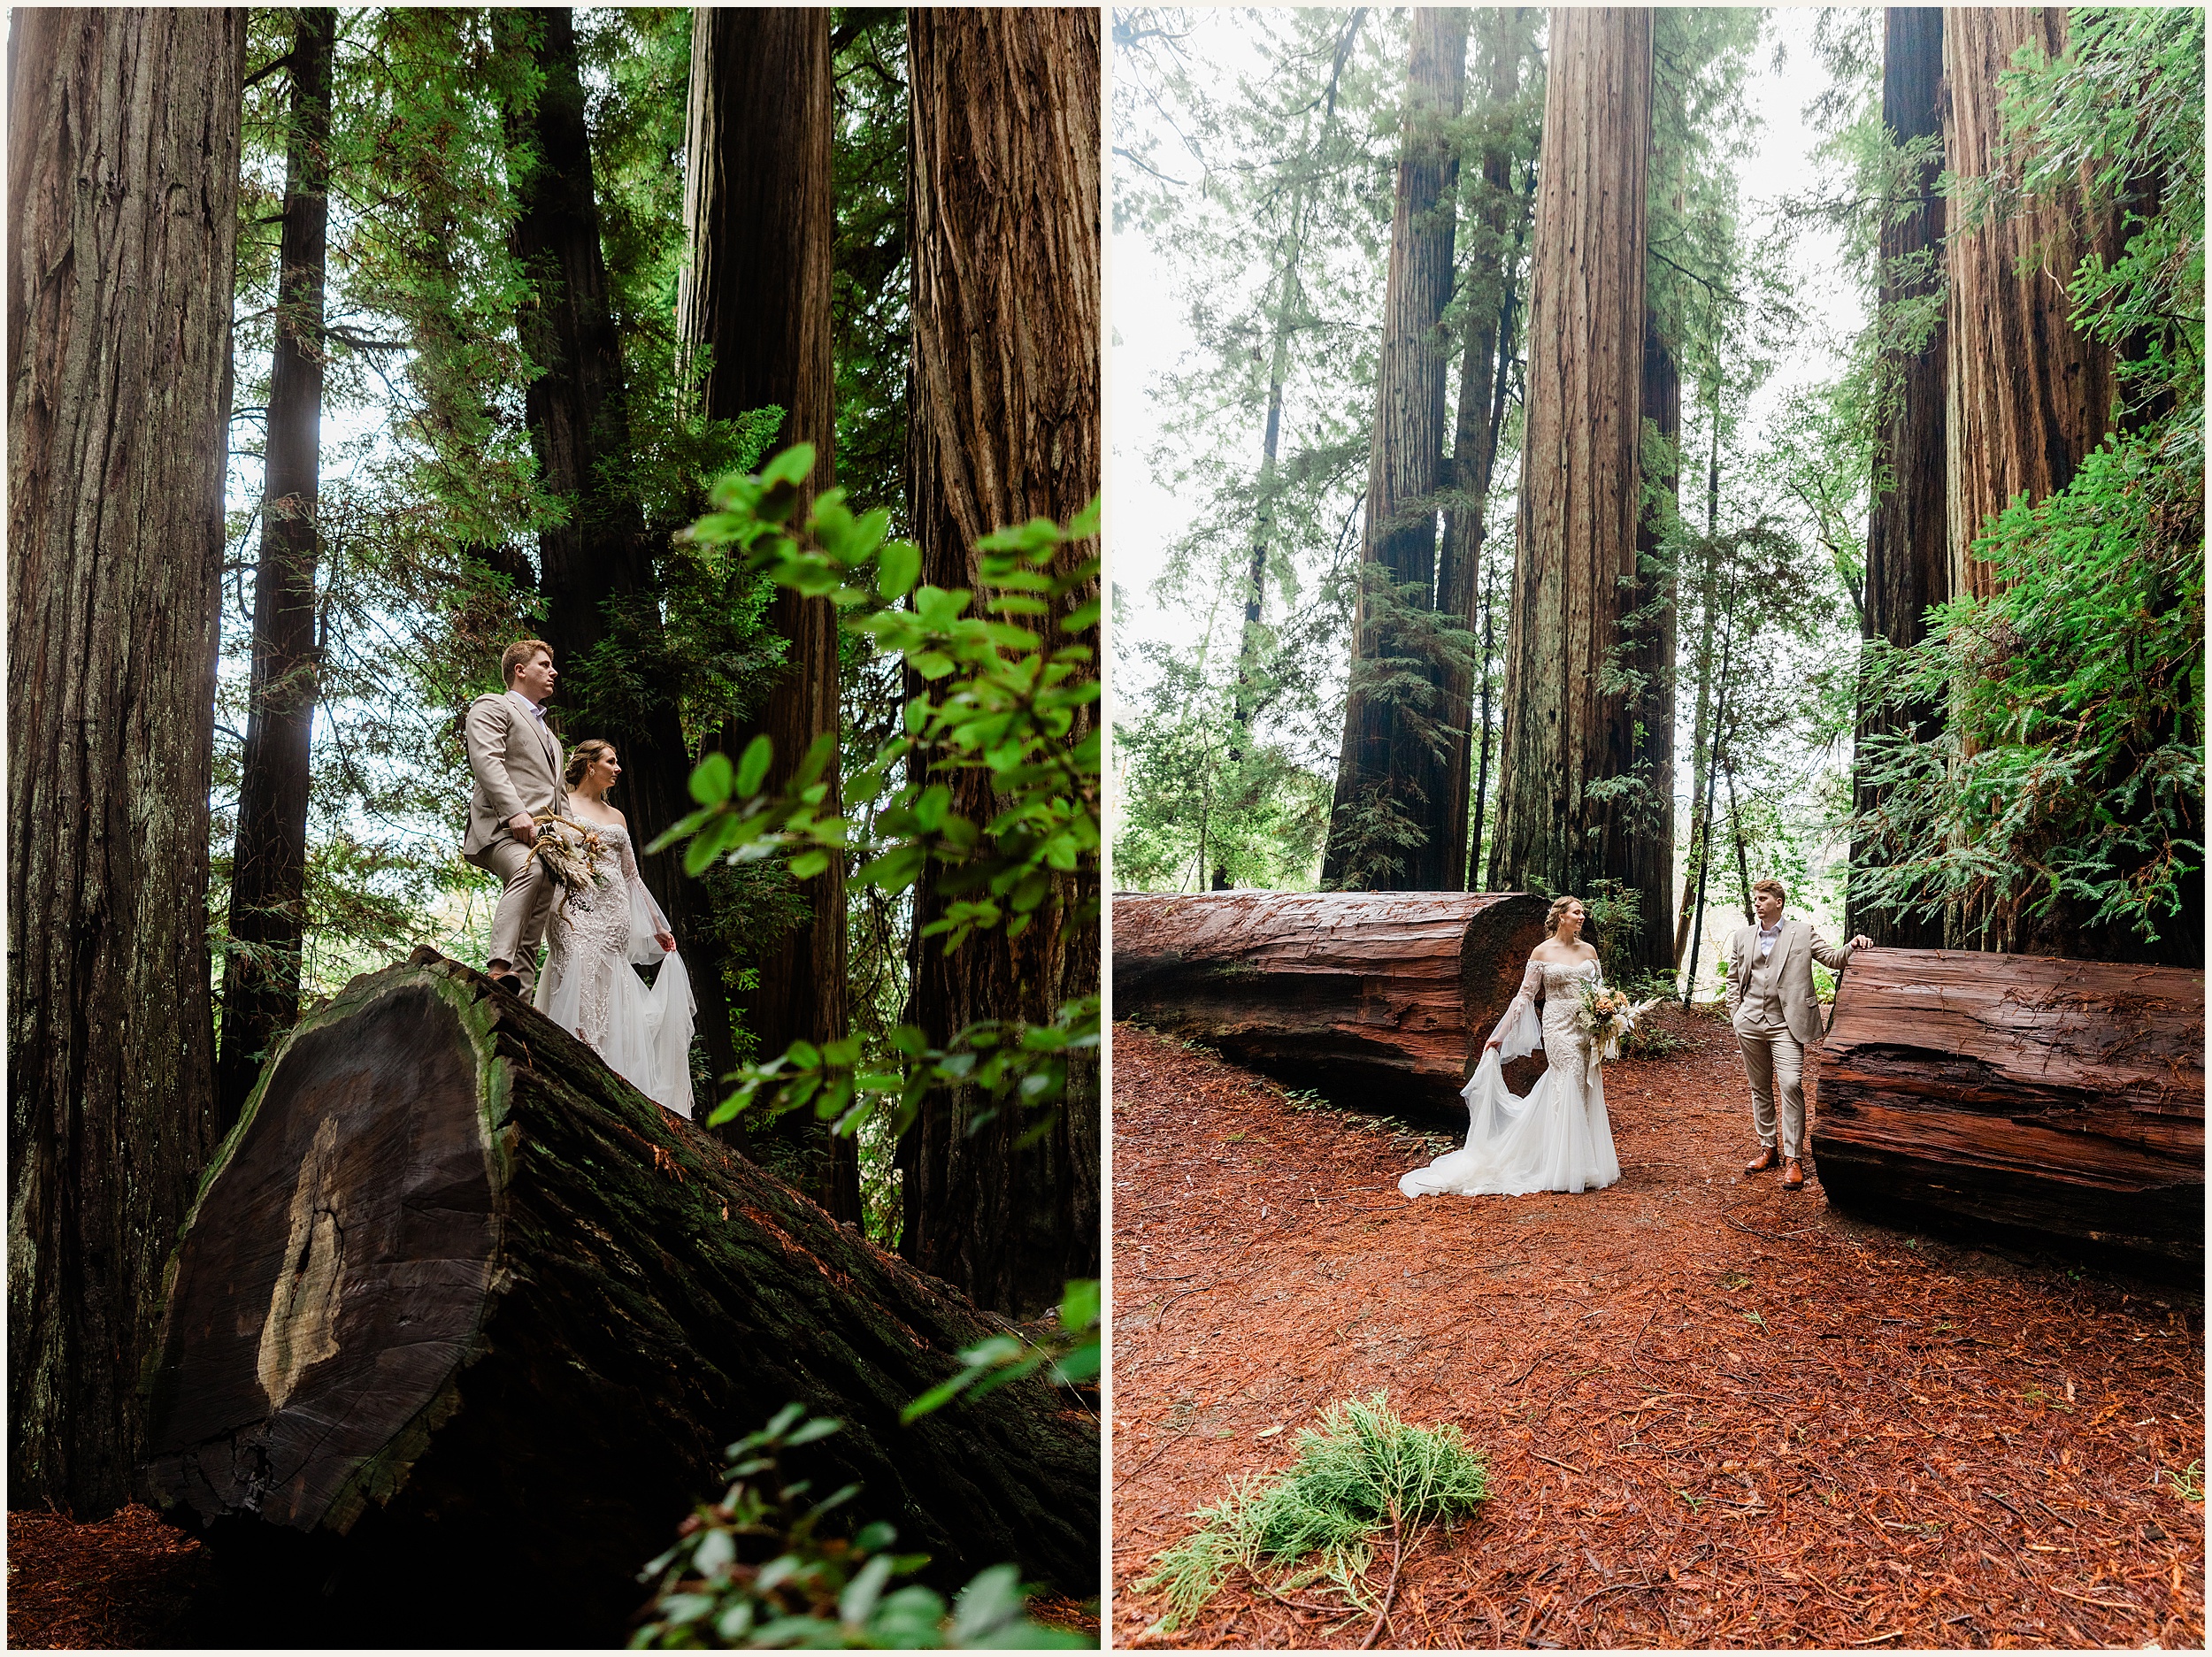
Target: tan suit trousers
x=1775, y=1061
x=525, y=905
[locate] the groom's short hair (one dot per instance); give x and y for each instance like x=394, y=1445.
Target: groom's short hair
x=1781, y=892
x=519, y=654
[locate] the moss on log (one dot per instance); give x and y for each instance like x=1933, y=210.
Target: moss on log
x=2056, y=1098
x=461, y=1321
x=1377, y=999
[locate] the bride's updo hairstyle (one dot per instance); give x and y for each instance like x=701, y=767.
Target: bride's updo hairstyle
x=583, y=757
x=1559, y=913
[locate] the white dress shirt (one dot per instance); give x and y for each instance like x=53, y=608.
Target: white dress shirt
x=1767, y=939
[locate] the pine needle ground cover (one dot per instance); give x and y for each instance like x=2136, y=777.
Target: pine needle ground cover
x=1714, y=1414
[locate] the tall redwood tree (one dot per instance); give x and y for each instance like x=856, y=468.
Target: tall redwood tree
x=1568, y=794
x=261, y=969
x=1006, y=427
x=1492, y=345
x=1909, y=565
x=2028, y=394
x=1390, y=823
x=756, y=300
x=122, y=237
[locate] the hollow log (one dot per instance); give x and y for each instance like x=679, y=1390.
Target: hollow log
x=2059, y=1098
x=461, y=1321
x=1375, y=999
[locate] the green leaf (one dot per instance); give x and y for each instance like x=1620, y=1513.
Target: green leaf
x=897, y=567
x=752, y=770
x=710, y=779
x=806, y=866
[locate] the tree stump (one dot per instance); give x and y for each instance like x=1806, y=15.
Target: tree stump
x=461, y=1321
x=2063, y=1099
x=1379, y=998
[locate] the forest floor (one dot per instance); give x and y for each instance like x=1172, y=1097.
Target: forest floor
x=122, y=1585
x=131, y=1582
x=1715, y=1413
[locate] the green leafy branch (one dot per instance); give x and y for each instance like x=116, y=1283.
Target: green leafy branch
x=1068, y=1358
x=753, y=1570
x=999, y=703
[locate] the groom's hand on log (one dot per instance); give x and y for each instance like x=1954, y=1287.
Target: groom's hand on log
x=523, y=828
x=666, y=941
x=1860, y=942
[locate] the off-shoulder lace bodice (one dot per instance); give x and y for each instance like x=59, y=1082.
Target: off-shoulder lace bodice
x=1558, y=1139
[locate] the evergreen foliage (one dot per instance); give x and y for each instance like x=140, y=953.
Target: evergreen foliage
x=2068, y=786
x=995, y=697
x=1361, y=1473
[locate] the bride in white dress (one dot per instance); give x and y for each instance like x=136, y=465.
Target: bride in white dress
x=590, y=984
x=1558, y=1139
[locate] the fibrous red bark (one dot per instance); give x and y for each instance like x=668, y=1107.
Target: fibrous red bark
x=1005, y=202
x=1907, y=541
x=122, y=205
x=2061, y=1098
x=1394, y=767
x=1375, y=999
x=757, y=299
x=2029, y=394
x=1568, y=795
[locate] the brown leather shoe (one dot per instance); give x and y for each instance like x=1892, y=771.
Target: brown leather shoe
x=1767, y=1158
x=1794, y=1179
x=510, y=982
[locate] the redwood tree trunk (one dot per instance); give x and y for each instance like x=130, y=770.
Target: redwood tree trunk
x=757, y=299
x=1645, y=829
x=1908, y=544
x=1395, y=766
x=1006, y=427
x=1484, y=371
x=261, y=969
x=2029, y=396
x=577, y=414
x=123, y=197
x=1580, y=480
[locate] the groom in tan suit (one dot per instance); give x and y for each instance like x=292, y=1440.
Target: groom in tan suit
x=516, y=759
x=1777, y=1015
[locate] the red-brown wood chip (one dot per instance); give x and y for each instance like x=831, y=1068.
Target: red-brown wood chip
x=116, y=1585
x=1717, y=1414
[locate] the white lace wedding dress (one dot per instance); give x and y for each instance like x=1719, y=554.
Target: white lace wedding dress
x=1558, y=1139
x=591, y=986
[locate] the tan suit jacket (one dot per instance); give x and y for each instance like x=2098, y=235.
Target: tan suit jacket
x=1800, y=945
x=517, y=764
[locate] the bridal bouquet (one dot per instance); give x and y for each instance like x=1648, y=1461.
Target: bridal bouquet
x=1607, y=1016
x=570, y=851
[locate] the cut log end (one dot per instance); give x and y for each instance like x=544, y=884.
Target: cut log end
x=458, y=1307
x=2060, y=1101
x=1377, y=999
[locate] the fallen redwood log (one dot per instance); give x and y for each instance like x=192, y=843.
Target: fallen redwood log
x=461, y=1321
x=2060, y=1098
x=1373, y=998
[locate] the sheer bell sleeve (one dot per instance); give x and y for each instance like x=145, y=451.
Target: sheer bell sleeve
x=1520, y=1033
x=646, y=919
